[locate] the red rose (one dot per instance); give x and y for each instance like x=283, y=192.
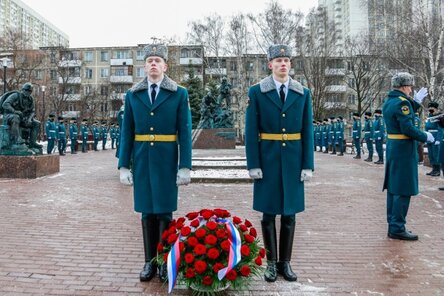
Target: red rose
x=159, y=247
x=200, y=249
x=258, y=260
x=219, y=212
x=262, y=252
x=206, y=214
x=165, y=235
x=200, y=266
x=221, y=233
x=179, y=225
x=200, y=232
x=192, y=215
x=243, y=228
x=211, y=225
x=231, y=275
x=245, y=270
x=172, y=238
x=165, y=257
x=253, y=232
x=247, y=223
x=245, y=250
x=210, y=239
x=172, y=230
x=218, y=266
x=189, y=258
x=225, y=245
x=192, y=241
x=207, y=280
x=237, y=220
x=195, y=223
x=189, y=273
x=181, y=246
x=249, y=238
x=185, y=231
x=172, y=223
x=213, y=253
x=181, y=220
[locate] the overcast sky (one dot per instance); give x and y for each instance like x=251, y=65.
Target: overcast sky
x=95, y=23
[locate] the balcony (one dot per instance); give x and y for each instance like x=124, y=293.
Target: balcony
x=121, y=79
x=117, y=96
x=335, y=72
x=121, y=62
x=336, y=88
x=191, y=61
x=70, y=97
x=70, y=80
x=216, y=71
x=69, y=114
x=70, y=63
x=335, y=105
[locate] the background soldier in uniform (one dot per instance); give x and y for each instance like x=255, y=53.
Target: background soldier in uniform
x=61, y=135
x=401, y=170
x=85, y=130
x=104, y=134
x=433, y=148
x=73, y=134
x=96, y=135
x=357, y=134
x=51, y=133
x=156, y=137
x=279, y=149
x=368, y=135
x=379, y=135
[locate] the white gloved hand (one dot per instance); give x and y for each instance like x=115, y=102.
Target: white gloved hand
x=437, y=142
x=420, y=95
x=323, y=149
x=183, y=177
x=306, y=175
x=255, y=173
x=318, y=148
x=430, y=137
x=126, y=177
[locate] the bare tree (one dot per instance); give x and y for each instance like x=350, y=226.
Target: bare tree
x=275, y=25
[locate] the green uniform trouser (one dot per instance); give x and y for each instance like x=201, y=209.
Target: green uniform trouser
x=357, y=145
x=369, y=143
x=379, y=149
x=397, y=209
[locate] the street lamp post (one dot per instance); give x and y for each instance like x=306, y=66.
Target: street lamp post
x=43, y=101
x=5, y=62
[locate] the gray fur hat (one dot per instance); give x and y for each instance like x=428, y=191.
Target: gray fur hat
x=158, y=50
x=278, y=51
x=402, y=79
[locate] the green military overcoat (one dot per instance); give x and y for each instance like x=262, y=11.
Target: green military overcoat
x=280, y=191
x=155, y=164
x=401, y=169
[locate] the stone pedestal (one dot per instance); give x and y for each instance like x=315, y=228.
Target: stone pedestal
x=214, y=138
x=28, y=167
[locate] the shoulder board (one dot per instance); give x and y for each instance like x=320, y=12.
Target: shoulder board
x=403, y=99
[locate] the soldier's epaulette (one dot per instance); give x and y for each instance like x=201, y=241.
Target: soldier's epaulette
x=402, y=98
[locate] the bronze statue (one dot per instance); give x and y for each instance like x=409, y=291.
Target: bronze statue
x=18, y=111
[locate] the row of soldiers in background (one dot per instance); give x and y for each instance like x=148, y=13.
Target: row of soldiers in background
x=329, y=135
x=435, y=150
x=56, y=132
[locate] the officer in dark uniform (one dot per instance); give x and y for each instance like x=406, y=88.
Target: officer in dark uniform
x=156, y=137
x=104, y=134
x=61, y=135
x=279, y=150
x=379, y=135
x=433, y=148
x=96, y=135
x=401, y=170
x=112, y=134
x=340, y=135
x=85, y=131
x=73, y=134
x=356, y=134
x=368, y=135
x=51, y=133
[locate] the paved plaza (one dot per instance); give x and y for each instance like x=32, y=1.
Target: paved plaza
x=75, y=233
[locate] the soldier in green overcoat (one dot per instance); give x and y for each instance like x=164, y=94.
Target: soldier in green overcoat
x=156, y=137
x=379, y=135
x=356, y=134
x=279, y=149
x=401, y=170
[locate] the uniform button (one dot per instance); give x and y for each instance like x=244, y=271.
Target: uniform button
x=283, y=129
x=283, y=144
x=283, y=114
x=152, y=143
x=152, y=113
x=151, y=128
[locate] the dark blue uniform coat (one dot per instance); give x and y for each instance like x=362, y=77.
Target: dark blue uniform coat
x=401, y=170
x=155, y=164
x=280, y=191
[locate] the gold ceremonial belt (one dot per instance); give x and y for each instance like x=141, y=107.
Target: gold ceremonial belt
x=280, y=137
x=397, y=137
x=155, y=138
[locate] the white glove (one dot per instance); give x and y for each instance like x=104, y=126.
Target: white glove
x=318, y=148
x=420, y=95
x=323, y=149
x=437, y=142
x=430, y=137
x=126, y=177
x=183, y=177
x=306, y=175
x=255, y=173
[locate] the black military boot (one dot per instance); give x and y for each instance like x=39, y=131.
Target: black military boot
x=436, y=171
x=285, y=247
x=270, y=242
x=150, y=229
x=368, y=159
x=380, y=161
x=357, y=156
x=163, y=272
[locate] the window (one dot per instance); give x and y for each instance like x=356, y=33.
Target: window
x=121, y=54
x=103, y=107
x=351, y=99
x=233, y=66
x=140, y=72
x=71, y=107
x=104, y=72
x=53, y=74
x=38, y=74
x=88, y=73
x=139, y=55
x=88, y=56
x=87, y=89
x=104, y=56
x=104, y=90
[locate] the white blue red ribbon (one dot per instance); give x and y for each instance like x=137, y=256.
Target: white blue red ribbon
x=173, y=263
x=234, y=255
